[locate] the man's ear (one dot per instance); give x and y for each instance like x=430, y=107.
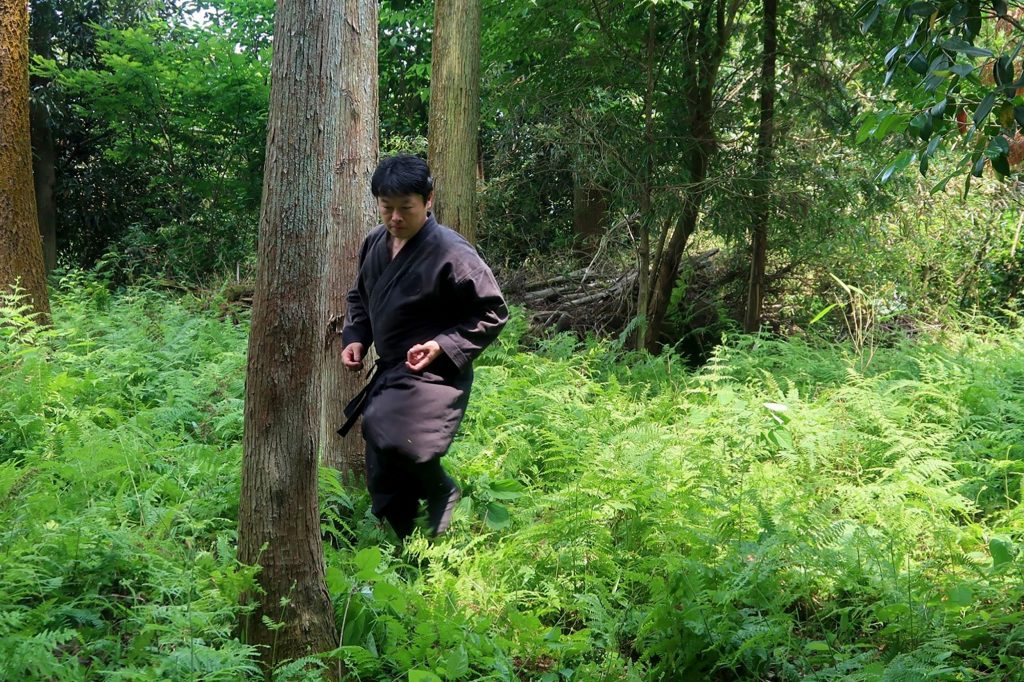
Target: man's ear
x=430, y=200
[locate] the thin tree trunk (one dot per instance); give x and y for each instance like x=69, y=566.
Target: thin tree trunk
x=354, y=212
x=717, y=20
x=589, y=213
x=455, y=113
x=21, y=249
x=44, y=159
x=686, y=224
x=646, y=219
x=762, y=188
x=42, y=19
x=279, y=518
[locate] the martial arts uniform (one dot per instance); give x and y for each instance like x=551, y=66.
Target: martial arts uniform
x=436, y=288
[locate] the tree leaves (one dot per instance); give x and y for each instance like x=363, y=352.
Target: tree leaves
x=942, y=51
x=902, y=160
x=872, y=10
x=964, y=47
x=984, y=108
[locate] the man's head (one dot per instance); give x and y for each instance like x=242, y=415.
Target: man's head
x=403, y=174
x=404, y=191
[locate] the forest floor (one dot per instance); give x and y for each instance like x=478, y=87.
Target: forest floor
x=793, y=510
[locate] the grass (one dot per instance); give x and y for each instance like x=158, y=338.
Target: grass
x=791, y=511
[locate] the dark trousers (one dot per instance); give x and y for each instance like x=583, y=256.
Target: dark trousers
x=397, y=484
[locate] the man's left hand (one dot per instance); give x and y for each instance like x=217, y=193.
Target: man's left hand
x=421, y=355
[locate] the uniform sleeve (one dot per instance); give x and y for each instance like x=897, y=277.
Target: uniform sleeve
x=357, y=327
x=484, y=315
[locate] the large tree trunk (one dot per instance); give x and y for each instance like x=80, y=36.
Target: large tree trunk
x=279, y=518
x=455, y=113
x=21, y=249
x=354, y=212
x=762, y=188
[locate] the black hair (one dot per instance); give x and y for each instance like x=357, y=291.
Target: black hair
x=403, y=174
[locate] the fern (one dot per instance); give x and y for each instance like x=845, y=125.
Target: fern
x=787, y=511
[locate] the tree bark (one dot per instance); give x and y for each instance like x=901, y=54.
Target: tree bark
x=279, y=518
x=354, y=211
x=762, y=187
x=21, y=249
x=455, y=113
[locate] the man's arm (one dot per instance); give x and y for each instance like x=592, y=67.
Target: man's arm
x=485, y=314
x=357, y=328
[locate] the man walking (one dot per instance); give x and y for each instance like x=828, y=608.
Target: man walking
x=429, y=304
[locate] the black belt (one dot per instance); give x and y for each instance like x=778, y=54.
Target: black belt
x=356, y=406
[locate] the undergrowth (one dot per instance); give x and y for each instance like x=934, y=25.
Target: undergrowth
x=790, y=511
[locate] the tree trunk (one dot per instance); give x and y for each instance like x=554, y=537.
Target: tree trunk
x=762, y=187
x=21, y=249
x=686, y=224
x=279, y=517
x=354, y=212
x=708, y=43
x=42, y=20
x=455, y=113
x=589, y=213
x=44, y=159
x=646, y=219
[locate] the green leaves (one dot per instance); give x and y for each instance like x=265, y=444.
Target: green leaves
x=122, y=502
x=171, y=114
x=486, y=494
x=919, y=8
x=869, y=12
x=687, y=4
x=960, y=596
x=1004, y=73
x=941, y=50
x=506, y=489
x=496, y=516
x=964, y=47
x=1002, y=552
x=366, y=561
x=877, y=126
x=984, y=108
x=933, y=145
x=997, y=151
x=902, y=160
x=776, y=501
x=921, y=125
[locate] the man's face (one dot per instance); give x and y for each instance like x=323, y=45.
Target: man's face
x=404, y=215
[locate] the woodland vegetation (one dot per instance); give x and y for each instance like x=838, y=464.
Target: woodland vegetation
x=759, y=413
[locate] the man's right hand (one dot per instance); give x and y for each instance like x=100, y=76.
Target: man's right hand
x=352, y=357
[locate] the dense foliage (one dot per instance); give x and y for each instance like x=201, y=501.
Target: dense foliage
x=161, y=137
x=158, y=113
x=957, y=63
x=795, y=510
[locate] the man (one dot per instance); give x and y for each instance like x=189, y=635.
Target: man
x=430, y=305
